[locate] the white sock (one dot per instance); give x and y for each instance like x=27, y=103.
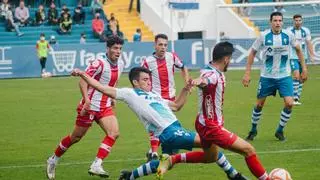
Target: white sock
x=97, y=162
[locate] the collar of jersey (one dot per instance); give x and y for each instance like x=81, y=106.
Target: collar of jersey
x=213, y=68
x=274, y=33
x=154, y=55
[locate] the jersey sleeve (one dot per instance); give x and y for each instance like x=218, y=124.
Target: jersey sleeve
x=308, y=34
x=211, y=77
x=177, y=61
x=257, y=43
x=94, y=68
x=123, y=94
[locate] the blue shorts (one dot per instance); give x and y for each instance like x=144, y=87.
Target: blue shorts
x=269, y=86
x=295, y=65
x=176, y=137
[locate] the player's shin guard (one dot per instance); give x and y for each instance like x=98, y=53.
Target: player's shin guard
x=226, y=166
x=188, y=157
x=284, y=118
x=63, y=146
x=145, y=169
x=256, y=167
x=105, y=147
x=296, y=85
x=256, y=114
x=154, y=143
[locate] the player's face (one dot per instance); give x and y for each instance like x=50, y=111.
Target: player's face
x=227, y=60
x=276, y=24
x=114, y=52
x=298, y=22
x=161, y=47
x=144, y=82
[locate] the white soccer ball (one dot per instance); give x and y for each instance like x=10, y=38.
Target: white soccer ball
x=279, y=174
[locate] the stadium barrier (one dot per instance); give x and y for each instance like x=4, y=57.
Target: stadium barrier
x=22, y=61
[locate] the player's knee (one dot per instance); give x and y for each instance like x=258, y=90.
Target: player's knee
x=260, y=105
x=249, y=150
x=114, y=134
x=75, y=139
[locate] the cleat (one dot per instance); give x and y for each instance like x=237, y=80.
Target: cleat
x=51, y=169
x=297, y=103
x=152, y=156
x=251, y=135
x=96, y=170
x=125, y=175
x=280, y=136
x=238, y=176
x=164, y=166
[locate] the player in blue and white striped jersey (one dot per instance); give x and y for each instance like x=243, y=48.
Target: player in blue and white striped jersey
x=274, y=44
x=303, y=37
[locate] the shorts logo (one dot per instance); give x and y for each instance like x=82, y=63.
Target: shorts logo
x=181, y=133
x=91, y=116
x=209, y=106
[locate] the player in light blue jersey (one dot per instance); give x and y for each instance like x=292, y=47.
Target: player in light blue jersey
x=156, y=114
x=274, y=44
x=303, y=37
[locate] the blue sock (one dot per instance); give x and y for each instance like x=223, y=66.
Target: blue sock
x=226, y=166
x=145, y=169
x=256, y=114
x=284, y=118
x=296, y=85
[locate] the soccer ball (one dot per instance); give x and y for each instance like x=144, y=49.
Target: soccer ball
x=46, y=74
x=279, y=174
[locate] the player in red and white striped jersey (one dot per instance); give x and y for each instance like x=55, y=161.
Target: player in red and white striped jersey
x=162, y=65
x=95, y=106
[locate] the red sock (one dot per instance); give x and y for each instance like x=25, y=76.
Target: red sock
x=188, y=157
x=105, y=147
x=256, y=167
x=154, y=143
x=63, y=146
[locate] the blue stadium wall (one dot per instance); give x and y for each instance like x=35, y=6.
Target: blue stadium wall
x=22, y=61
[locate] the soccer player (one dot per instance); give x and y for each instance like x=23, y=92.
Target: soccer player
x=209, y=122
x=95, y=106
x=303, y=37
x=162, y=65
x=156, y=115
x=275, y=74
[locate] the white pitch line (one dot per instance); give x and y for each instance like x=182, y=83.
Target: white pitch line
x=140, y=159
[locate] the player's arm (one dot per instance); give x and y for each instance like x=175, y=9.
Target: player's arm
x=304, y=73
x=179, y=64
x=110, y=91
x=310, y=49
x=246, y=77
x=182, y=97
x=185, y=74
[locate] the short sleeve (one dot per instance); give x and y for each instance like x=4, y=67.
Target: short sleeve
x=94, y=68
x=177, y=61
x=257, y=43
x=210, y=76
x=124, y=93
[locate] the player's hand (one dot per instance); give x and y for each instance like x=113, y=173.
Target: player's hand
x=85, y=108
x=304, y=75
x=197, y=81
x=246, y=80
x=76, y=72
x=189, y=85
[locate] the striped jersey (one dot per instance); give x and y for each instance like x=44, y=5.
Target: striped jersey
x=153, y=111
x=210, y=98
x=302, y=35
x=275, y=50
x=107, y=73
x=162, y=77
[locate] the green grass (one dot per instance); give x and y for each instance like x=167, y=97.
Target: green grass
x=37, y=113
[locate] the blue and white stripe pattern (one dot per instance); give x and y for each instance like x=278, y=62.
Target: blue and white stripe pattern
x=145, y=169
x=256, y=114
x=296, y=88
x=285, y=116
x=226, y=166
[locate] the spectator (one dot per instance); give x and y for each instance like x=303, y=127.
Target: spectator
x=22, y=14
x=53, y=40
x=278, y=8
x=53, y=15
x=42, y=51
x=113, y=16
x=83, y=38
x=98, y=26
x=96, y=7
x=223, y=36
x=10, y=25
x=3, y=9
x=244, y=11
x=137, y=35
x=40, y=15
x=79, y=15
x=65, y=24
x=113, y=24
x=64, y=10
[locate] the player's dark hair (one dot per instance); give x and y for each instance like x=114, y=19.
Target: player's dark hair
x=276, y=14
x=297, y=16
x=162, y=36
x=134, y=73
x=221, y=50
x=112, y=40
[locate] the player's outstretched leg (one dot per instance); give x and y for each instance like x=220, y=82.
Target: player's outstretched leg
x=143, y=170
x=256, y=115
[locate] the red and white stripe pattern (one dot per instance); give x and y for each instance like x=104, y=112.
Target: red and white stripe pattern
x=107, y=74
x=211, y=97
x=163, y=73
